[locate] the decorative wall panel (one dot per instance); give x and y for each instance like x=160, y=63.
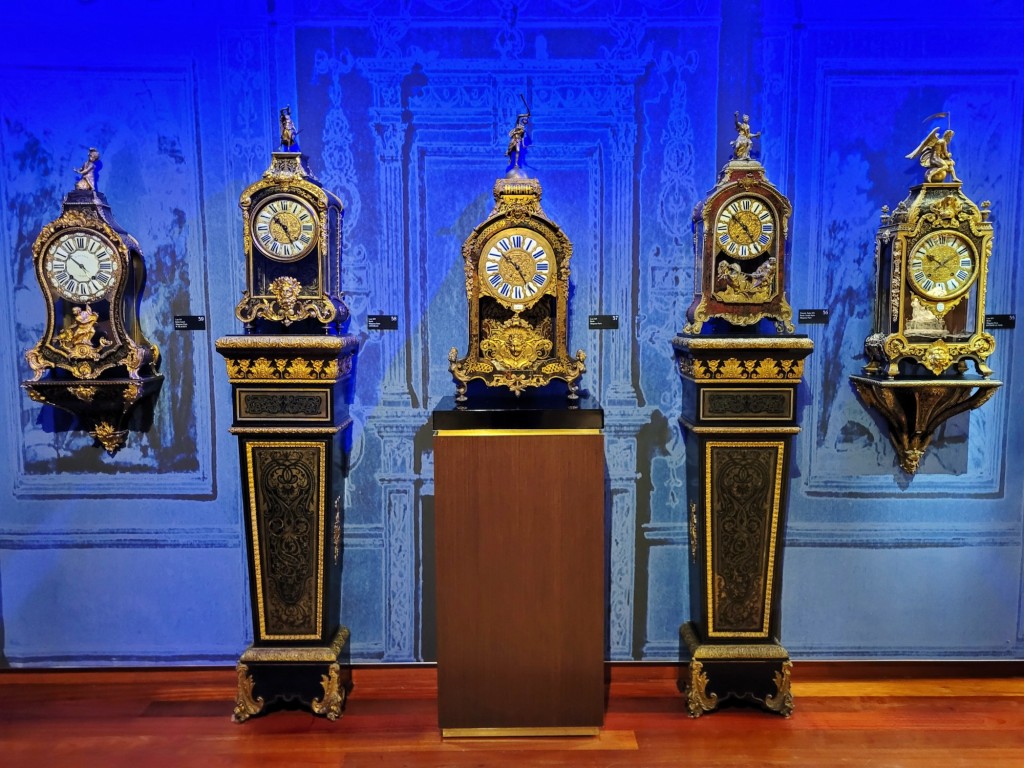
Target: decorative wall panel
x=403, y=108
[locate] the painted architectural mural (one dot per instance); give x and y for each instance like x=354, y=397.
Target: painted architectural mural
x=403, y=108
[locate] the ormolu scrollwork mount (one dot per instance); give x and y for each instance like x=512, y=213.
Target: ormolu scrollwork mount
x=932, y=257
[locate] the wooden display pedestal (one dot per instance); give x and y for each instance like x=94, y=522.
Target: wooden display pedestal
x=519, y=503
x=739, y=416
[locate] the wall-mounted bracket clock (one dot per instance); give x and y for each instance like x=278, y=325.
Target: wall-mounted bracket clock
x=931, y=260
x=93, y=359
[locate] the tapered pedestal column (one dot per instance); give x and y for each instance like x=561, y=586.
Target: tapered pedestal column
x=739, y=418
x=289, y=415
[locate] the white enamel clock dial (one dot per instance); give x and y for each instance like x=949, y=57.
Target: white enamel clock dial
x=942, y=266
x=745, y=227
x=284, y=228
x=81, y=266
x=516, y=266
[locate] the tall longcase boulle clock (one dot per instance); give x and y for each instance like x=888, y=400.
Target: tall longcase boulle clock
x=740, y=232
x=739, y=415
x=517, y=285
x=92, y=275
x=931, y=261
x=288, y=376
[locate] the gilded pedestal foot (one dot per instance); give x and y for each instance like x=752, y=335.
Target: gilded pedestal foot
x=782, y=701
x=698, y=701
x=245, y=705
x=334, y=694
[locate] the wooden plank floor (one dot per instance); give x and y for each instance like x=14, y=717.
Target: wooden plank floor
x=847, y=714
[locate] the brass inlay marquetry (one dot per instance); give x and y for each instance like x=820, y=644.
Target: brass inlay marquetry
x=287, y=486
x=291, y=430
x=320, y=653
x=743, y=491
x=729, y=651
x=725, y=429
x=735, y=403
x=282, y=403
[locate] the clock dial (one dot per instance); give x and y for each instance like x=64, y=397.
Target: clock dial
x=516, y=266
x=745, y=227
x=284, y=228
x=942, y=266
x=81, y=266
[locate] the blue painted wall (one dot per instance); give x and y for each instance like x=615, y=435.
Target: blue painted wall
x=403, y=108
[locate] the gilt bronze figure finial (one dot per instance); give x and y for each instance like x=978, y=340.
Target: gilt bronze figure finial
x=517, y=140
x=933, y=154
x=744, y=138
x=289, y=133
x=89, y=171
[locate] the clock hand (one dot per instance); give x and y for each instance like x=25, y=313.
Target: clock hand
x=77, y=263
x=745, y=229
x=521, y=275
x=278, y=229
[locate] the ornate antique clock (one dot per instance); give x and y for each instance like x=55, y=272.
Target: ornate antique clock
x=92, y=276
x=739, y=235
x=517, y=284
x=292, y=240
x=931, y=260
x=739, y=418
x=288, y=380
x=932, y=266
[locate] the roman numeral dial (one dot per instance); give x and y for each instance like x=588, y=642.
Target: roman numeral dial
x=516, y=267
x=942, y=266
x=81, y=266
x=745, y=227
x=284, y=227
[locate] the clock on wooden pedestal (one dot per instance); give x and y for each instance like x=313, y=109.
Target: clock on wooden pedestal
x=517, y=285
x=739, y=417
x=100, y=364
x=288, y=377
x=931, y=259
